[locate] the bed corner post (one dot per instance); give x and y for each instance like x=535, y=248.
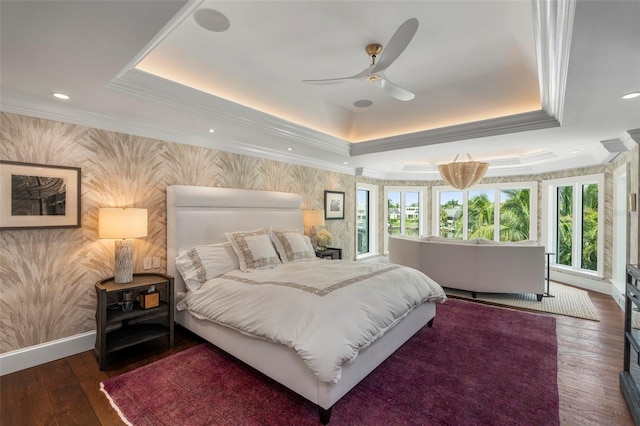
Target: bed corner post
x=325, y=415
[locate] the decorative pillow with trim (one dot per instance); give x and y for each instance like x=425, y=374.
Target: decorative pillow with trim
x=254, y=249
x=291, y=246
x=203, y=263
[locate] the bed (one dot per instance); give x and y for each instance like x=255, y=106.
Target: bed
x=199, y=216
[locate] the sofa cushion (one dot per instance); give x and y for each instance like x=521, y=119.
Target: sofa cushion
x=485, y=242
x=436, y=239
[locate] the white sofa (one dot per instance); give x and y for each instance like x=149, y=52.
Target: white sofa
x=475, y=265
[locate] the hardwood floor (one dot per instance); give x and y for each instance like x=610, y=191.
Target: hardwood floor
x=66, y=392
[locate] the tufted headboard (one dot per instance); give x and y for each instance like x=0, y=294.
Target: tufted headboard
x=201, y=215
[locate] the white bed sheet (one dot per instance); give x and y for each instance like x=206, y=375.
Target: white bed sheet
x=327, y=311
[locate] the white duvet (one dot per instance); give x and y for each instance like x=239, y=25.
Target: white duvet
x=325, y=310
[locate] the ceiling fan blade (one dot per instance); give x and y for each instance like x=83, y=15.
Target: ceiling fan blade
x=362, y=74
x=396, y=91
x=399, y=41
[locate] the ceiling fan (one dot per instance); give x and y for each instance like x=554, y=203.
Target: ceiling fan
x=374, y=72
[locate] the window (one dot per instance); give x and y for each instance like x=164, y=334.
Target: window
x=451, y=223
x=366, y=196
x=500, y=213
x=404, y=212
x=574, y=224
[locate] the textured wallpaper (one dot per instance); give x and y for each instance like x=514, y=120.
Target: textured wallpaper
x=606, y=170
x=48, y=276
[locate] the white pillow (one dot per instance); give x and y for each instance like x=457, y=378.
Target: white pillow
x=291, y=246
x=254, y=249
x=203, y=263
x=307, y=241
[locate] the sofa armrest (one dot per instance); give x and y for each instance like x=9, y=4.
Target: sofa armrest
x=405, y=251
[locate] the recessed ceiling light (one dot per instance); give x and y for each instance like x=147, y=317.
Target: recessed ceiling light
x=575, y=151
x=211, y=130
x=631, y=95
x=289, y=149
x=363, y=103
x=345, y=162
x=60, y=96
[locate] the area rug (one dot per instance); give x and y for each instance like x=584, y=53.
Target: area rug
x=567, y=300
x=478, y=365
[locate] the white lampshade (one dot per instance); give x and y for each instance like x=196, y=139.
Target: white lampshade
x=122, y=223
x=313, y=217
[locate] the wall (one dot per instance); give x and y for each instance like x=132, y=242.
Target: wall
x=630, y=158
x=48, y=275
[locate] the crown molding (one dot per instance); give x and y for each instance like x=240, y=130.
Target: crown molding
x=523, y=122
x=635, y=135
x=552, y=30
x=159, y=90
x=158, y=131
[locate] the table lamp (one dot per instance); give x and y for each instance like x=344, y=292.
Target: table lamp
x=313, y=218
x=122, y=224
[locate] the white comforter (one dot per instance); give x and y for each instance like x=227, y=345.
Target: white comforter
x=325, y=310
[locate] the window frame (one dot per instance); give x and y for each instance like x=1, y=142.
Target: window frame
x=423, y=217
x=373, y=220
x=532, y=186
x=550, y=220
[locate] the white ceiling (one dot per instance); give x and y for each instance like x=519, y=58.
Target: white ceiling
x=148, y=68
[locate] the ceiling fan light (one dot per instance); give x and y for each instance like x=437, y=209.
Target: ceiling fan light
x=463, y=174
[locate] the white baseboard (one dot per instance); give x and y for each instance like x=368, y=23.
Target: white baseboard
x=584, y=282
x=618, y=296
x=20, y=359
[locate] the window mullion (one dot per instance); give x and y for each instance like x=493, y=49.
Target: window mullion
x=577, y=227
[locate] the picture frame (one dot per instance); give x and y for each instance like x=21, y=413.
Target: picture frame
x=333, y=205
x=39, y=196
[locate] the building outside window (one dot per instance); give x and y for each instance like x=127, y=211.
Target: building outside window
x=404, y=212
x=493, y=212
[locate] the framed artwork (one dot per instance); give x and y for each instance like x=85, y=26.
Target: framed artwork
x=333, y=205
x=39, y=196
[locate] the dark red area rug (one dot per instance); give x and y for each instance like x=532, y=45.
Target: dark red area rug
x=478, y=365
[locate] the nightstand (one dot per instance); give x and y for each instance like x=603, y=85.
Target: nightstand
x=330, y=253
x=117, y=329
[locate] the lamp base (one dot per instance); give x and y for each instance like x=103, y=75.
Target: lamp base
x=313, y=236
x=124, y=261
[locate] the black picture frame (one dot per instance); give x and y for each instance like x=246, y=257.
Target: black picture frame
x=39, y=196
x=333, y=205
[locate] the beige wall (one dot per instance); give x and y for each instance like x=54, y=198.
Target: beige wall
x=48, y=275
x=631, y=159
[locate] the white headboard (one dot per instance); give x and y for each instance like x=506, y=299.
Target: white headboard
x=201, y=215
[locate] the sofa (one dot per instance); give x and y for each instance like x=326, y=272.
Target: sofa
x=476, y=265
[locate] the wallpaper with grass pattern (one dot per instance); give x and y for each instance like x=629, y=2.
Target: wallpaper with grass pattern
x=47, y=276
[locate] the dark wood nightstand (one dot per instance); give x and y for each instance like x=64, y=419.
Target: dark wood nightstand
x=330, y=253
x=117, y=329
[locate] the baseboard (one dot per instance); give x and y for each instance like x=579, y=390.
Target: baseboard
x=583, y=282
x=617, y=296
x=20, y=359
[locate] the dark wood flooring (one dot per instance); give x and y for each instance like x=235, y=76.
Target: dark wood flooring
x=66, y=392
